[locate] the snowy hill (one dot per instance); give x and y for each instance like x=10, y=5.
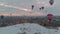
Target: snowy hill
x=28, y=29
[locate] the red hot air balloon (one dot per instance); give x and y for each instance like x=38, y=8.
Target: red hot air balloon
x=49, y=16
x=51, y=2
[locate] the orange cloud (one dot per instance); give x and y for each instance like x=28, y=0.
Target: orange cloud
x=11, y=14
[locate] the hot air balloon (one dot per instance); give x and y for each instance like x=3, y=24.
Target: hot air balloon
x=32, y=7
x=41, y=8
x=51, y=2
x=49, y=16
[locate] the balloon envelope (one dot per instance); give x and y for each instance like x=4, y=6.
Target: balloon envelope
x=51, y=2
x=32, y=7
x=50, y=16
x=42, y=8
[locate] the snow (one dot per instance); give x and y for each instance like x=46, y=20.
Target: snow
x=28, y=28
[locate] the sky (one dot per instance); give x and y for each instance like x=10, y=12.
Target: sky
x=23, y=7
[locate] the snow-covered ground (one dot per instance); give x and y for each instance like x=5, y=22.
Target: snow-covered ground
x=28, y=28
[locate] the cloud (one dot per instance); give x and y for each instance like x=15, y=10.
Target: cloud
x=7, y=14
x=19, y=8
x=28, y=11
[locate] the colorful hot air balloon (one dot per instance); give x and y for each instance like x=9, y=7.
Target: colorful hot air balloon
x=49, y=16
x=51, y=2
